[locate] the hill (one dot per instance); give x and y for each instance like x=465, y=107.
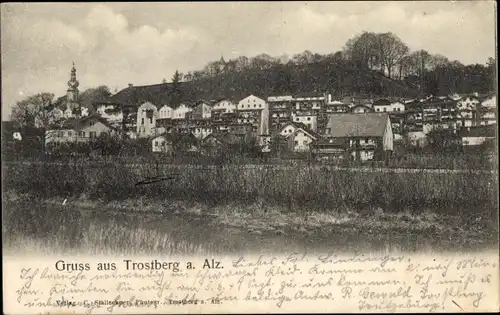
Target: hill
x=338, y=78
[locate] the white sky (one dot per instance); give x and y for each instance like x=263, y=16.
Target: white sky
x=120, y=43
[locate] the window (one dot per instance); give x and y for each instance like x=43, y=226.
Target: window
x=103, y=133
x=70, y=134
x=92, y=134
x=296, y=142
x=367, y=140
x=142, y=121
x=385, y=109
x=81, y=134
x=308, y=118
x=156, y=143
x=378, y=109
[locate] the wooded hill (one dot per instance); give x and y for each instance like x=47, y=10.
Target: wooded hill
x=338, y=78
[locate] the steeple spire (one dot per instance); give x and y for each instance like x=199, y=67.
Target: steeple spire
x=73, y=83
x=72, y=92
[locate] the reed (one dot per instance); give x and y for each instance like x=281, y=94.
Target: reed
x=297, y=186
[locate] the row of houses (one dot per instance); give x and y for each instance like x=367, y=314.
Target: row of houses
x=355, y=128
x=330, y=129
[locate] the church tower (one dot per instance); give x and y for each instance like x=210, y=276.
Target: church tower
x=72, y=92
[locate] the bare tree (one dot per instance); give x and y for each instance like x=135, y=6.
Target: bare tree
x=438, y=61
x=391, y=51
x=362, y=50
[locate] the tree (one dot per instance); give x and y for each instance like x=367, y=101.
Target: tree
x=35, y=111
x=362, y=50
x=176, y=92
x=391, y=51
x=93, y=95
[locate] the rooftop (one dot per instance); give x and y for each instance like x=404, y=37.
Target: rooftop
x=356, y=125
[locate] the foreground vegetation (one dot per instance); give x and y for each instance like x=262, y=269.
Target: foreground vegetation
x=115, y=208
x=297, y=185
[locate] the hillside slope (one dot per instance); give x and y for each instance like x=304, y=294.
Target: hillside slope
x=337, y=79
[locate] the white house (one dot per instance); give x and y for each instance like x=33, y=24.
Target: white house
x=251, y=102
x=397, y=107
x=181, y=111
x=300, y=140
x=490, y=102
x=165, y=112
x=162, y=144
x=78, y=130
x=360, y=108
x=384, y=105
x=147, y=114
x=288, y=129
x=225, y=105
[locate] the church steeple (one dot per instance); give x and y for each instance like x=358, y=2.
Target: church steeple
x=72, y=92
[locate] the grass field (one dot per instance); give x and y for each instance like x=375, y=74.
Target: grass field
x=300, y=185
x=200, y=210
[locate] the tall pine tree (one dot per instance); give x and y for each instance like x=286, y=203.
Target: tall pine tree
x=176, y=92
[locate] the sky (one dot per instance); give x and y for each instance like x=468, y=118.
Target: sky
x=142, y=43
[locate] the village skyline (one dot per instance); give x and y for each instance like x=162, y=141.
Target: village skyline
x=87, y=40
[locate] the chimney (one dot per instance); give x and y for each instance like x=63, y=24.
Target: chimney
x=130, y=85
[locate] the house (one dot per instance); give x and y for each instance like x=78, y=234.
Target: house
x=165, y=112
x=147, y=114
x=365, y=136
x=397, y=107
x=255, y=111
x=486, y=115
x=330, y=148
x=468, y=102
x=200, y=131
x=280, y=110
x=251, y=102
x=490, y=102
x=382, y=105
x=439, y=113
x=361, y=108
x=201, y=111
x=242, y=130
x=336, y=107
x=310, y=101
x=77, y=130
x=289, y=128
x=181, y=111
x=301, y=139
x=413, y=116
x=224, y=105
x=121, y=116
x=311, y=121
x=477, y=135
x=163, y=143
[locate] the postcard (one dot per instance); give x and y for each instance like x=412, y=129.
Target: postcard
x=249, y=157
